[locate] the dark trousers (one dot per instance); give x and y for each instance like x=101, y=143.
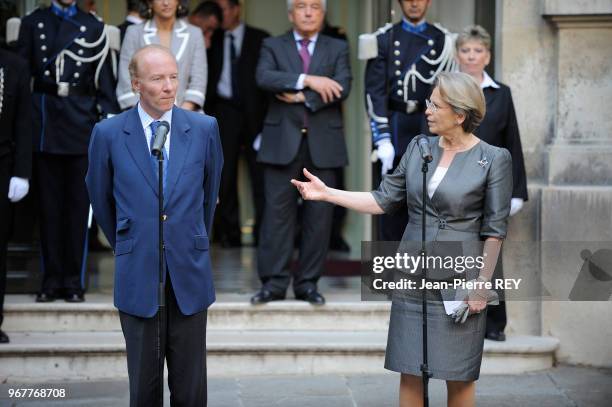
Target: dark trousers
x=279, y=221
x=183, y=346
x=235, y=139
x=5, y=218
x=64, y=207
x=390, y=226
x=339, y=211
x=496, y=314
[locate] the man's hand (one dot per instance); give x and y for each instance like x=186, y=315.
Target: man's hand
x=327, y=88
x=386, y=154
x=18, y=188
x=289, y=97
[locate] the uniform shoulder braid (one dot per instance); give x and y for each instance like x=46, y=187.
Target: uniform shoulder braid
x=368, y=42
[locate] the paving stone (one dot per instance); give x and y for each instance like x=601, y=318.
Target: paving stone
x=559, y=387
x=281, y=387
x=312, y=401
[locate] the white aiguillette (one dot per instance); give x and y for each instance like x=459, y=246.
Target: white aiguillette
x=368, y=43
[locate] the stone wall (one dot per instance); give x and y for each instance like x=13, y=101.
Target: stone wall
x=555, y=56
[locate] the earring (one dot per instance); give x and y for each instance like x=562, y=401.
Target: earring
x=149, y=13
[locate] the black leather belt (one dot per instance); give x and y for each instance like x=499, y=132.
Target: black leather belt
x=413, y=106
x=64, y=89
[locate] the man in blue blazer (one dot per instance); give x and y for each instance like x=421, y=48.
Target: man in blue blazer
x=122, y=184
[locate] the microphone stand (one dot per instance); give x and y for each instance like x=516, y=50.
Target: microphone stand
x=161, y=292
x=424, y=366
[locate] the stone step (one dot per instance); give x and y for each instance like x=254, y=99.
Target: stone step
x=286, y=315
x=57, y=356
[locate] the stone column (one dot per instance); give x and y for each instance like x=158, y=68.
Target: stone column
x=582, y=146
x=576, y=204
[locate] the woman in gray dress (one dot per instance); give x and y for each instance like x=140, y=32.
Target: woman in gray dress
x=165, y=26
x=469, y=188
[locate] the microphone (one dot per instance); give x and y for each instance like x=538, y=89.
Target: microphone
x=159, y=138
x=423, y=143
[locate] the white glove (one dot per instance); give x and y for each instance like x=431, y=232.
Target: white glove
x=257, y=142
x=516, y=204
x=18, y=188
x=386, y=154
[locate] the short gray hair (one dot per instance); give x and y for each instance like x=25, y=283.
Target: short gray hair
x=290, y=4
x=133, y=66
x=465, y=97
x=474, y=33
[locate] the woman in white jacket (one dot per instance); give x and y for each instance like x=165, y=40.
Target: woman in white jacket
x=164, y=25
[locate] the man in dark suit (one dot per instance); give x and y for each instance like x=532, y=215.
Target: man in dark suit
x=123, y=188
x=234, y=99
x=132, y=16
x=73, y=86
x=15, y=150
x=307, y=75
x=208, y=16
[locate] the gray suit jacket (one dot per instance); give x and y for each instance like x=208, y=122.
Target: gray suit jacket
x=278, y=71
x=471, y=202
x=187, y=45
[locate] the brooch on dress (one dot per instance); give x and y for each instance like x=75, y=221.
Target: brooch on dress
x=483, y=162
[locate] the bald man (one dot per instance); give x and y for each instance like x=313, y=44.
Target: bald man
x=123, y=188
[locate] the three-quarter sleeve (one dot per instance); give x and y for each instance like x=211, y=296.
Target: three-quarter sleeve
x=498, y=193
x=125, y=95
x=391, y=193
x=198, y=70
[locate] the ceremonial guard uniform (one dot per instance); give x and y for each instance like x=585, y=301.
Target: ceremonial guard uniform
x=403, y=62
x=70, y=58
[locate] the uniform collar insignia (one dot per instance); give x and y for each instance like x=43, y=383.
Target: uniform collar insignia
x=64, y=12
x=414, y=28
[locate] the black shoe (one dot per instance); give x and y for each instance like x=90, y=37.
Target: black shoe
x=3, y=337
x=338, y=244
x=74, y=297
x=498, y=336
x=45, y=297
x=312, y=296
x=263, y=296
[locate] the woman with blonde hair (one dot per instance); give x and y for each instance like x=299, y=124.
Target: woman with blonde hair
x=499, y=128
x=164, y=25
x=469, y=188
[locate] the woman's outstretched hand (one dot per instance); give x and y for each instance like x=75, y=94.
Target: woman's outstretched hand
x=312, y=190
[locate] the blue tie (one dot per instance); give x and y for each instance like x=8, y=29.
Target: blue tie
x=154, y=125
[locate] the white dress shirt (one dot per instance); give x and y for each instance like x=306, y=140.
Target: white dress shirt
x=146, y=121
x=311, y=46
x=224, y=87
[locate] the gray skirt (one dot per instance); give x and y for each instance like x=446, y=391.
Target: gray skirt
x=454, y=350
